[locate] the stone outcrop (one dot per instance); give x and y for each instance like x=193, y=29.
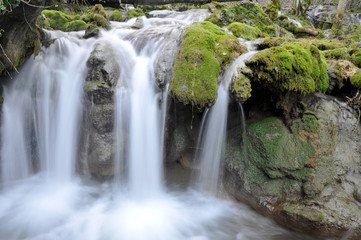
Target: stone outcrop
x=20, y=37
x=306, y=177
x=102, y=78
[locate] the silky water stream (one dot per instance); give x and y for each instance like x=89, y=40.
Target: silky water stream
x=42, y=197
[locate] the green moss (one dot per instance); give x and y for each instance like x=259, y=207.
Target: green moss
x=272, y=42
x=95, y=85
x=116, y=16
x=58, y=20
x=132, y=13
x=324, y=44
x=245, y=31
x=337, y=53
x=202, y=52
x=244, y=12
x=101, y=21
x=272, y=11
x=310, y=214
x=356, y=57
x=99, y=9
x=356, y=79
x=308, y=122
x=76, y=25
x=290, y=67
x=241, y=88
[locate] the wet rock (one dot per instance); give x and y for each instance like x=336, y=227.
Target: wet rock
x=167, y=51
x=138, y=23
x=339, y=72
x=306, y=177
x=91, y=31
x=322, y=14
x=103, y=76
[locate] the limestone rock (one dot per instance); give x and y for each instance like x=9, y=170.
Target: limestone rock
x=306, y=177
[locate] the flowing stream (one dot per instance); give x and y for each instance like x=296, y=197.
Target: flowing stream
x=42, y=197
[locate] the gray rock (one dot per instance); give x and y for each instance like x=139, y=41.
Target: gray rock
x=307, y=179
x=99, y=141
x=167, y=51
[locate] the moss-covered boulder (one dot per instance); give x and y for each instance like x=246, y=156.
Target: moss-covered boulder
x=356, y=57
x=204, y=50
x=339, y=73
x=116, y=16
x=241, y=87
x=356, y=79
x=303, y=175
x=137, y=12
x=76, y=25
x=269, y=42
x=291, y=67
x=53, y=19
x=245, y=31
x=244, y=12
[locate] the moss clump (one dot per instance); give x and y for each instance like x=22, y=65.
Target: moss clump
x=277, y=158
x=99, y=9
x=356, y=57
x=101, y=21
x=337, y=53
x=245, y=31
x=91, y=31
x=76, y=25
x=116, y=16
x=290, y=67
x=132, y=13
x=324, y=44
x=272, y=11
x=309, y=214
x=57, y=20
x=241, y=88
x=269, y=42
x=356, y=79
x=243, y=12
x=203, y=51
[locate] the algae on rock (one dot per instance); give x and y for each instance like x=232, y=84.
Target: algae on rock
x=291, y=67
x=205, y=49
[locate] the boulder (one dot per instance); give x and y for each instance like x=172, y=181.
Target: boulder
x=102, y=78
x=306, y=177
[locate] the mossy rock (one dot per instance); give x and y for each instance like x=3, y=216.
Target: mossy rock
x=272, y=11
x=337, y=53
x=116, y=16
x=291, y=67
x=245, y=31
x=356, y=79
x=204, y=50
x=57, y=20
x=76, y=25
x=99, y=9
x=304, y=213
x=91, y=31
x=277, y=159
x=101, y=21
x=356, y=57
x=324, y=44
x=341, y=71
x=137, y=12
x=241, y=88
x=244, y=12
x=269, y=42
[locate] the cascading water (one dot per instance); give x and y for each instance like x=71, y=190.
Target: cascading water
x=213, y=133
x=40, y=122
x=41, y=113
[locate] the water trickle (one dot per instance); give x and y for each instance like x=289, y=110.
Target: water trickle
x=213, y=135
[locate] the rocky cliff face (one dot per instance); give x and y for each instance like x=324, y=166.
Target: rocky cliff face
x=306, y=176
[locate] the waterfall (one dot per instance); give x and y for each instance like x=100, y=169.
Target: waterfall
x=212, y=137
x=42, y=112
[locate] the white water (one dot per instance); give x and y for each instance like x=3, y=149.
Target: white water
x=213, y=133
x=42, y=112
x=42, y=198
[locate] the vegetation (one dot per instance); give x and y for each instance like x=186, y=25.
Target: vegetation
x=204, y=50
x=291, y=67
